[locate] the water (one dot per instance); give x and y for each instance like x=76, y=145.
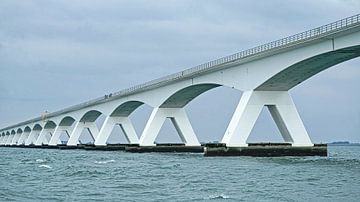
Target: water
x=78, y=175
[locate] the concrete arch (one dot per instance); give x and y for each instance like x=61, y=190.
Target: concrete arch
x=67, y=121
x=37, y=127
x=49, y=125
x=303, y=70
x=7, y=133
x=19, y=130
x=13, y=132
x=27, y=129
x=90, y=116
x=183, y=96
x=125, y=109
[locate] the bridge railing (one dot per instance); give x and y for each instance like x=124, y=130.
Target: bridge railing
x=281, y=43
x=318, y=32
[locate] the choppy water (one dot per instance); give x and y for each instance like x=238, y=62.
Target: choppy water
x=78, y=175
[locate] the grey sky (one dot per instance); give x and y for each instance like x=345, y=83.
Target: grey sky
x=54, y=54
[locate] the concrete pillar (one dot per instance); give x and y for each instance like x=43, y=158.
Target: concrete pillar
x=125, y=125
x=79, y=127
x=2, y=142
x=282, y=110
x=16, y=138
x=9, y=140
x=5, y=139
x=42, y=139
x=55, y=138
x=32, y=137
x=23, y=137
x=180, y=120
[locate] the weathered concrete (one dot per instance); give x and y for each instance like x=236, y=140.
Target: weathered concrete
x=265, y=150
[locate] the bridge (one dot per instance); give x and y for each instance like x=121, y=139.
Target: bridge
x=264, y=74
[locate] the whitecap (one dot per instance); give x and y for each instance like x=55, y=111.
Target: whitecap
x=104, y=162
x=40, y=160
x=220, y=196
x=45, y=166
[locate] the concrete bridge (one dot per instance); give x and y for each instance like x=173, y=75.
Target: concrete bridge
x=264, y=74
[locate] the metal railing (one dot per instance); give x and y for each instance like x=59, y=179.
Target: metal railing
x=319, y=32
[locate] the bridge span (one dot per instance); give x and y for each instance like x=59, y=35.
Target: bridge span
x=264, y=74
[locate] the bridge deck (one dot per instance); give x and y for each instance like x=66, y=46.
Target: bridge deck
x=346, y=25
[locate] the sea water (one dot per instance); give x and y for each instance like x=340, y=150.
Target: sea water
x=77, y=175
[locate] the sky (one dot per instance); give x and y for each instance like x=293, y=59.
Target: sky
x=54, y=54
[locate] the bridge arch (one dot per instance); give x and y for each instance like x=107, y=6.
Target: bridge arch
x=27, y=129
x=185, y=95
x=19, y=130
x=125, y=109
x=49, y=125
x=37, y=127
x=90, y=116
x=67, y=121
x=172, y=108
x=295, y=74
x=13, y=132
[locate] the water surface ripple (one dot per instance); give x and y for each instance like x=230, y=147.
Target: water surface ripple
x=77, y=175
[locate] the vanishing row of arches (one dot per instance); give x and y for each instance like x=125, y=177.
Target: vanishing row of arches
x=21, y=135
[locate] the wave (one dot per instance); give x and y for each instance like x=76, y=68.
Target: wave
x=104, y=162
x=220, y=196
x=45, y=166
x=40, y=160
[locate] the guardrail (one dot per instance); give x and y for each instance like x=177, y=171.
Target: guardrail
x=315, y=33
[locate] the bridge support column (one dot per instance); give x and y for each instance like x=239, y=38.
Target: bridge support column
x=125, y=125
x=9, y=140
x=23, y=137
x=42, y=139
x=55, y=138
x=5, y=139
x=79, y=127
x=282, y=109
x=180, y=120
x=2, y=142
x=16, y=138
x=32, y=137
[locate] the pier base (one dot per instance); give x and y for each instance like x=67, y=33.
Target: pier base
x=165, y=148
x=109, y=147
x=265, y=150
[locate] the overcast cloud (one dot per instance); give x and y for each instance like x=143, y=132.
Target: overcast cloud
x=54, y=54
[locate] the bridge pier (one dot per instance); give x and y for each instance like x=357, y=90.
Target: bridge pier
x=79, y=127
x=109, y=124
x=23, y=137
x=282, y=109
x=32, y=137
x=55, y=138
x=2, y=140
x=42, y=139
x=9, y=140
x=180, y=120
x=16, y=138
